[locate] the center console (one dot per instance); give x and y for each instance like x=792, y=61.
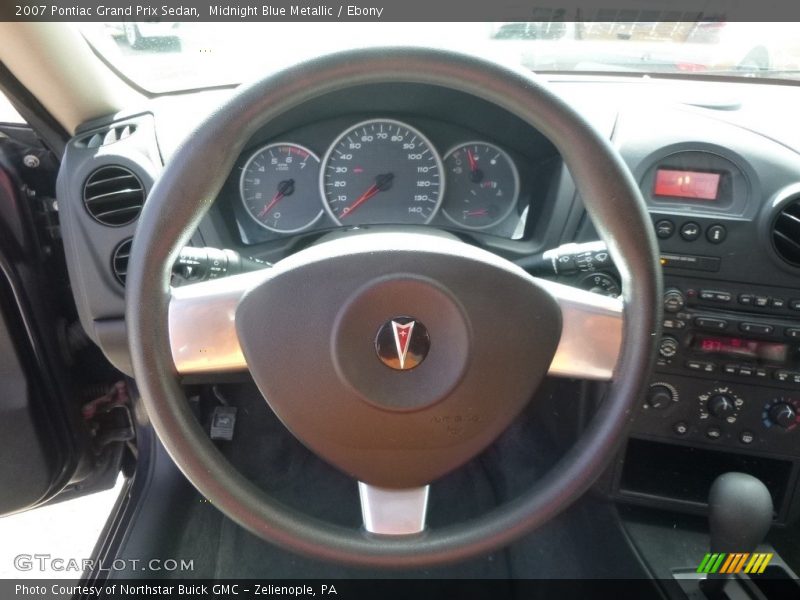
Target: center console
x=725, y=392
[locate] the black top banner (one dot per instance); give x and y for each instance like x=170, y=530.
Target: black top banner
x=393, y=10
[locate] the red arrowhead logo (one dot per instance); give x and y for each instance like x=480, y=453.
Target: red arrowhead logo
x=402, y=337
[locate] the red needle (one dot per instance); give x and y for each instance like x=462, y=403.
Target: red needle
x=275, y=199
x=373, y=189
x=472, y=164
x=382, y=182
x=477, y=213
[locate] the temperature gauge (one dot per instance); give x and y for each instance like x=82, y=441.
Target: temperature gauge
x=482, y=185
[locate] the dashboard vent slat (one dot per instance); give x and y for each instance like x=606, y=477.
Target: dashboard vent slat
x=786, y=232
x=113, y=195
x=119, y=260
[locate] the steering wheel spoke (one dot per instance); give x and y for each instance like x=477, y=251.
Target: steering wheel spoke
x=393, y=512
x=591, y=333
x=202, y=323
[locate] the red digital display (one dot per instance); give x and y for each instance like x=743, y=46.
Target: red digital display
x=693, y=185
x=742, y=348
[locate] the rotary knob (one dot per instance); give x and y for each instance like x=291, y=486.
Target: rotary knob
x=660, y=396
x=673, y=300
x=668, y=347
x=721, y=406
x=783, y=414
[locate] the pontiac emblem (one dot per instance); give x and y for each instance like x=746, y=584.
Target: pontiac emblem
x=402, y=343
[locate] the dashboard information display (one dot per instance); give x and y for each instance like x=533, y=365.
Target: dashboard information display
x=693, y=185
x=736, y=347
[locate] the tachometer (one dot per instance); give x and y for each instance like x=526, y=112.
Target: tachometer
x=279, y=187
x=482, y=185
x=382, y=171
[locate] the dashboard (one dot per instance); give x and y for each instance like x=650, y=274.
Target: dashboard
x=718, y=165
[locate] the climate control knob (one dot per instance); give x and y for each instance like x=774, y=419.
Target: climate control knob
x=783, y=414
x=721, y=406
x=660, y=396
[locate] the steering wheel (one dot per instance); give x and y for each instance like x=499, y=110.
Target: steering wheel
x=374, y=348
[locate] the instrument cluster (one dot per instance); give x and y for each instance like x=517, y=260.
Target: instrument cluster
x=380, y=171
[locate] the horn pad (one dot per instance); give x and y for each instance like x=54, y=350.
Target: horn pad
x=315, y=338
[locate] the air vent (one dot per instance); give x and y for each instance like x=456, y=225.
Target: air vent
x=104, y=137
x=113, y=195
x=119, y=261
x=786, y=232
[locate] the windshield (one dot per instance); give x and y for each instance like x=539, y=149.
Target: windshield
x=165, y=56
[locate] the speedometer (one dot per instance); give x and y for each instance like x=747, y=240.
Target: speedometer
x=382, y=171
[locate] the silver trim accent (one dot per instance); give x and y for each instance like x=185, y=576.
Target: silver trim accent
x=204, y=340
x=393, y=512
x=202, y=329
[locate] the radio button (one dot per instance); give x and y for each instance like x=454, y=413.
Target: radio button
x=778, y=303
x=674, y=324
x=697, y=365
x=746, y=371
x=715, y=296
x=792, y=332
x=761, y=301
x=713, y=433
x=745, y=299
x=761, y=372
x=707, y=323
x=756, y=328
x=747, y=437
x=781, y=375
x=731, y=369
x=794, y=304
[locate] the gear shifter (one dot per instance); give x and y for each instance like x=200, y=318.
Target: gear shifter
x=739, y=515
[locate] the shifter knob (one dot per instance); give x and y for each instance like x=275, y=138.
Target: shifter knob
x=739, y=516
x=739, y=512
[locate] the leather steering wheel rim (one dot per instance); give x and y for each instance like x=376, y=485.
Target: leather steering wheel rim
x=190, y=183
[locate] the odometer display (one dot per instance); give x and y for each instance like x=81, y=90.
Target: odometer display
x=382, y=171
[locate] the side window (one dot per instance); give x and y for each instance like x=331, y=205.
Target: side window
x=8, y=113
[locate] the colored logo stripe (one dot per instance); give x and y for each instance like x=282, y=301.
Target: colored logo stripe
x=734, y=562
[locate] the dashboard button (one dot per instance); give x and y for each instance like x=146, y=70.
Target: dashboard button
x=681, y=428
x=715, y=296
x=713, y=433
x=716, y=234
x=731, y=369
x=794, y=304
x=761, y=373
x=745, y=299
x=707, y=323
x=747, y=437
x=756, y=328
x=690, y=231
x=761, y=301
x=665, y=228
x=792, y=332
x=746, y=371
x=778, y=303
x=781, y=375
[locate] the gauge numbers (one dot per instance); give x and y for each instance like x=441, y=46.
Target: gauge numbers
x=382, y=171
x=278, y=187
x=482, y=184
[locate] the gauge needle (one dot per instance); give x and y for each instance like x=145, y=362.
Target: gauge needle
x=382, y=183
x=285, y=188
x=475, y=174
x=476, y=213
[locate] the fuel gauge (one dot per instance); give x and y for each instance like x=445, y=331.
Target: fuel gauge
x=482, y=185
